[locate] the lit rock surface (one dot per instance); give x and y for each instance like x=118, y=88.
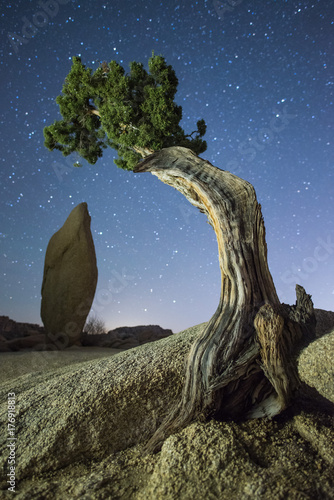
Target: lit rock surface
x=91, y=420
x=316, y=366
x=69, y=280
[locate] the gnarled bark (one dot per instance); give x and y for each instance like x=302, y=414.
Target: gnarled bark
x=242, y=364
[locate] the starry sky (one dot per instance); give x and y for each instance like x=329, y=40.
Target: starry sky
x=260, y=74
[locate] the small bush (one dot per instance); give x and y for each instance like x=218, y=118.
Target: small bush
x=94, y=326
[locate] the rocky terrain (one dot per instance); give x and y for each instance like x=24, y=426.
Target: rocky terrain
x=126, y=337
x=10, y=329
x=23, y=336
x=15, y=336
x=81, y=431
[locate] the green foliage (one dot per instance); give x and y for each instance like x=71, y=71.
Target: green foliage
x=133, y=113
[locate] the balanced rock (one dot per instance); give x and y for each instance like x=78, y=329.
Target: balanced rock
x=69, y=280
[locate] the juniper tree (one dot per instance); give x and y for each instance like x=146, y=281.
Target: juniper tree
x=133, y=113
x=243, y=362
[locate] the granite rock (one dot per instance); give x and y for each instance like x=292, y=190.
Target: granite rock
x=81, y=432
x=126, y=337
x=98, y=407
x=13, y=336
x=34, y=341
x=10, y=329
x=69, y=280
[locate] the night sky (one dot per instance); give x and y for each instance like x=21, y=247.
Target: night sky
x=259, y=73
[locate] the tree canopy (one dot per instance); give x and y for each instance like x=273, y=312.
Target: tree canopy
x=133, y=113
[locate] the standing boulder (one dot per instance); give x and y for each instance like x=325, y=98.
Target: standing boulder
x=69, y=280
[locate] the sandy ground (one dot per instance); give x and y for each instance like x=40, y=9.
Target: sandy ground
x=15, y=364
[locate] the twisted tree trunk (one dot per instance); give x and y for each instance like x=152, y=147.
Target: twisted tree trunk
x=242, y=364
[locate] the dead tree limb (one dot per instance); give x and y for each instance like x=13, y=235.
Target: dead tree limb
x=242, y=363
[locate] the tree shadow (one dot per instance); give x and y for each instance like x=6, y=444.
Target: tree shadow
x=308, y=400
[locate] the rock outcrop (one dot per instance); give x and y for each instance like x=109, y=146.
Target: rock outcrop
x=72, y=423
x=126, y=337
x=17, y=335
x=11, y=329
x=69, y=280
x=32, y=342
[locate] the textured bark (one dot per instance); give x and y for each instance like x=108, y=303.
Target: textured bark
x=243, y=363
